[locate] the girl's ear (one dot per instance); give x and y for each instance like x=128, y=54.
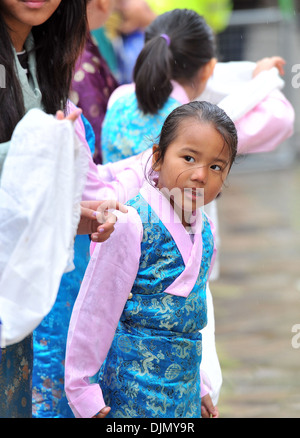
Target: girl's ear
x=209, y=69
x=103, y=5
x=155, y=157
x=203, y=74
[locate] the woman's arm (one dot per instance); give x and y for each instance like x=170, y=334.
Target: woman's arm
x=119, y=181
x=105, y=288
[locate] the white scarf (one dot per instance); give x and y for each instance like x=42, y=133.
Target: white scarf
x=41, y=187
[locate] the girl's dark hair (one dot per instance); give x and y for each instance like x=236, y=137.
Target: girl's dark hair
x=58, y=43
x=192, y=45
x=205, y=112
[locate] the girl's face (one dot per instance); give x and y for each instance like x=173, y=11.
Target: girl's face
x=21, y=15
x=194, y=167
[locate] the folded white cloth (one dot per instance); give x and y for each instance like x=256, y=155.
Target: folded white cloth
x=41, y=188
x=233, y=88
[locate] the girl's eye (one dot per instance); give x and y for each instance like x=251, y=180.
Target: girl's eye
x=189, y=159
x=216, y=167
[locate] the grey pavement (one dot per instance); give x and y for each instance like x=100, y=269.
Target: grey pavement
x=257, y=296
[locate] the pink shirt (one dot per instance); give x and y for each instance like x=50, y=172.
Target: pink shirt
x=120, y=181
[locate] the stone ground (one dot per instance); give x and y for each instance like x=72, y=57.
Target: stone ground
x=257, y=297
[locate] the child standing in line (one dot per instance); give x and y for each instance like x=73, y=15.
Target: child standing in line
x=176, y=65
x=142, y=302
x=172, y=69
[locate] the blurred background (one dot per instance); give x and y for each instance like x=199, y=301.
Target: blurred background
x=257, y=297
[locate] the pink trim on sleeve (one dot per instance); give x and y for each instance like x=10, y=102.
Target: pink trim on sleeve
x=103, y=294
x=126, y=176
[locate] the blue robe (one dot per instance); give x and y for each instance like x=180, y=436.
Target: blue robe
x=127, y=131
x=153, y=366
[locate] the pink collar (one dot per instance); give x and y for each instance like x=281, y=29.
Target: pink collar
x=191, y=252
x=179, y=93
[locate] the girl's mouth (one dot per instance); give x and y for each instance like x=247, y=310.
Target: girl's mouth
x=34, y=4
x=194, y=193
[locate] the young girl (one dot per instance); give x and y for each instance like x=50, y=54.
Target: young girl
x=40, y=42
x=179, y=49
x=177, y=64
x=142, y=301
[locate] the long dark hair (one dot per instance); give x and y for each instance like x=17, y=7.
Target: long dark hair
x=58, y=43
x=191, y=46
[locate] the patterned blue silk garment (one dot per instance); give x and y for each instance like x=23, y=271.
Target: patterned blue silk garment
x=153, y=366
x=127, y=131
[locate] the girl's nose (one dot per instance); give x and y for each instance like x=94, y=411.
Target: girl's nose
x=200, y=174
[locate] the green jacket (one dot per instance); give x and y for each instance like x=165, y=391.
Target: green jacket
x=215, y=12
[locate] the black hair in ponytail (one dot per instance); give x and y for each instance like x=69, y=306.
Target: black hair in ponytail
x=191, y=46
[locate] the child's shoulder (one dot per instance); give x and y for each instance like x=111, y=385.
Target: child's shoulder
x=144, y=210
x=120, y=92
x=208, y=224
x=138, y=203
x=135, y=200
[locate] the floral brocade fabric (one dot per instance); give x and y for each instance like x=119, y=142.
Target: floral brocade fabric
x=49, y=340
x=127, y=131
x=153, y=366
x=15, y=380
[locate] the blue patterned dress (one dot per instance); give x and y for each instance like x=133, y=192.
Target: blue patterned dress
x=127, y=131
x=153, y=366
x=15, y=380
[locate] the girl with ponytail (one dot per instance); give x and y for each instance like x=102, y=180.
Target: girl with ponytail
x=172, y=69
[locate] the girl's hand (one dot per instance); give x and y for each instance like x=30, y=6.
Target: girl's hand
x=102, y=414
x=73, y=116
x=208, y=410
x=95, y=212
x=268, y=63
